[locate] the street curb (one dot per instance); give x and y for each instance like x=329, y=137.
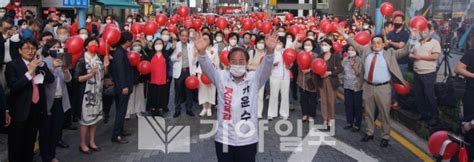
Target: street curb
x=404, y=136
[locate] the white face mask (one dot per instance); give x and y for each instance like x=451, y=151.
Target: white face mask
x=149, y=37
x=281, y=34
x=62, y=38
x=63, y=18
x=108, y=21
x=219, y=39
x=237, y=70
x=24, y=26
x=88, y=20
x=311, y=37
x=352, y=53
x=308, y=48
x=158, y=47
x=83, y=36
x=233, y=42
x=165, y=38
x=129, y=20
x=325, y=48
x=260, y=46
x=2, y=14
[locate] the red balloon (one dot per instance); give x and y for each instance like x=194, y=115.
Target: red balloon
x=144, y=67
x=252, y=42
x=359, y=3
x=205, y=80
x=276, y=21
x=343, y=23
x=402, y=89
x=75, y=57
x=302, y=35
x=326, y=28
x=192, y=82
x=336, y=19
x=197, y=23
x=260, y=15
x=419, y=22
x=183, y=11
x=311, y=18
x=289, y=56
x=386, y=8
x=221, y=23
x=111, y=25
x=211, y=19
x=172, y=28
x=337, y=47
x=267, y=27
x=161, y=19
x=174, y=19
x=319, y=66
x=188, y=23
x=74, y=44
x=289, y=17
x=247, y=24
x=362, y=37
x=136, y=28
x=150, y=28
x=463, y=155
x=103, y=47
x=435, y=142
x=259, y=25
x=294, y=30
x=223, y=57
x=134, y=58
x=112, y=36
x=304, y=60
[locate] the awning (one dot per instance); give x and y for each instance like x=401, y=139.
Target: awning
x=118, y=4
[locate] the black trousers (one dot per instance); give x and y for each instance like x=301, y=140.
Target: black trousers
x=121, y=103
x=22, y=136
x=183, y=94
x=468, y=110
x=107, y=101
x=158, y=97
x=308, y=102
x=245, y=153
x=353, y=106
x=50, y=131
x=425, y=95
x=293, y=85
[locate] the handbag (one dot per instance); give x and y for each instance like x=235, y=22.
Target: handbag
x=450, y=91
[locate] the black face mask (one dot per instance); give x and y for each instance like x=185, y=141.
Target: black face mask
x=28, y=17
x=53, y=53
x=397, y=25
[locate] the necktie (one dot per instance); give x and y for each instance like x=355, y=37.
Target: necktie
x=372, y=66
x=35, y=97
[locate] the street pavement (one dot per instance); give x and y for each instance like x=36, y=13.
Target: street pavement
x=347, y=146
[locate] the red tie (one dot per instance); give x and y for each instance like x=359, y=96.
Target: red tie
x=35, y=98
x=372, y=66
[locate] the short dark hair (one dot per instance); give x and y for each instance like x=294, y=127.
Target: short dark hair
x=211, y=40
x=7, y=20
x=379, y=36
x=90, y=39
x=386, y=24
x=234, y=34
x=29, y=41
x=48, y=45
x=125, y=37
x=238, y=49
x=164, y=30
x=35, y=22
x=47, y=33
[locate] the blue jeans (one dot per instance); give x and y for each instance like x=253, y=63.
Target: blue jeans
x=353, y=106
x=121, y=103
x=425, y=95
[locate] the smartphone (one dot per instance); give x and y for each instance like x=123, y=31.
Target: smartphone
x=65, y=57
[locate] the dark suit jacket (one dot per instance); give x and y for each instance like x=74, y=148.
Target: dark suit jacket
x=122, y=71
x=14, y=46
x=21, y=89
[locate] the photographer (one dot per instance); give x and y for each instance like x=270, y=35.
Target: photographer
x=465, y=67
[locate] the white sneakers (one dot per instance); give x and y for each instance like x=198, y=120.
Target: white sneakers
x=207, y=112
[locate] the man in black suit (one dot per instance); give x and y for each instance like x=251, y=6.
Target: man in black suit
x=25, y=78
x=123, y=77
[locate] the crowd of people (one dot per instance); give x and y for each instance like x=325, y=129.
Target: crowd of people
x=44, y=91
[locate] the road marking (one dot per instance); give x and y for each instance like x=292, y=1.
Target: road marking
x=400, y=139
x=311, y=144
